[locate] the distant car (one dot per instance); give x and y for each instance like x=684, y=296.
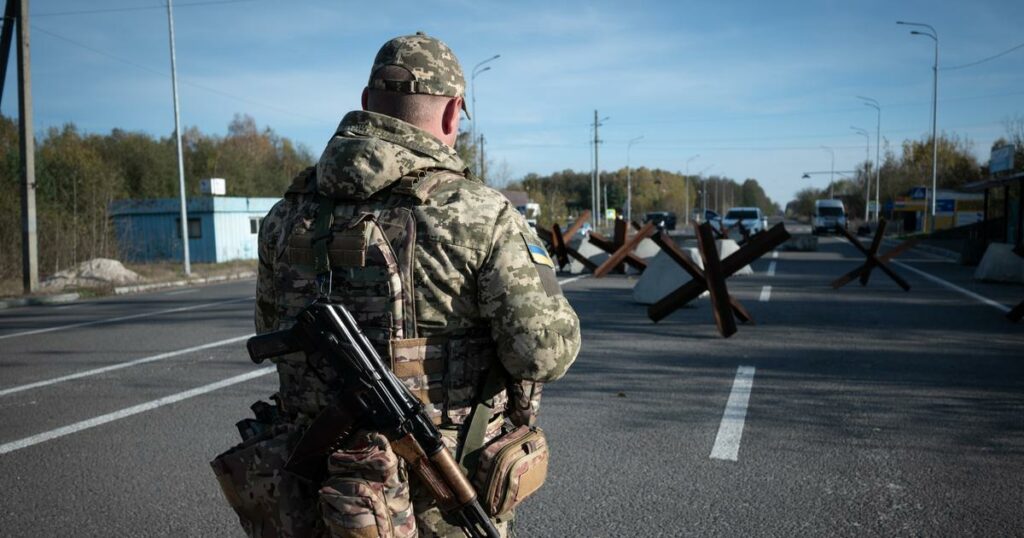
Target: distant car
x=664, y=220
x=750, y=218
x=827, y=215
x=714, y=219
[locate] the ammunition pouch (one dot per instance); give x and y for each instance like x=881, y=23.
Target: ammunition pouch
x=510, y=469
x=270, y=501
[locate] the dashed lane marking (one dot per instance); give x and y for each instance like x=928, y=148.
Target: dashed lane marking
x=120, y=318
x=118, y=366
x=766, y=294
x=730, y=432
x=775, y=254
x=771, y=269
x=134, y=410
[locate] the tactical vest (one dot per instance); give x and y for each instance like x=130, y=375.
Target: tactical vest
x=361, y=253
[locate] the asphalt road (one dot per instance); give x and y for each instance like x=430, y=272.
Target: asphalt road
x=864, y=411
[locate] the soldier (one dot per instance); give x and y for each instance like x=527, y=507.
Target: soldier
x=443, y=275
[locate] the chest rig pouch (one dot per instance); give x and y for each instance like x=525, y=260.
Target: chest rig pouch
x=362, y=254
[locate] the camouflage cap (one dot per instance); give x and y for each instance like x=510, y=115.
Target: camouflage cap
x=435, y=69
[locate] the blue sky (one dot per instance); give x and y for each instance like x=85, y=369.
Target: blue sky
x=754, y=88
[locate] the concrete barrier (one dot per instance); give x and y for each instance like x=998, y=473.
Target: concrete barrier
x=1000, y=264
x=725, y=248
x=662, y=277
x=801, y=243
x=589, y=251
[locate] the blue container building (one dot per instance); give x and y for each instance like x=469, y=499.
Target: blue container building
x=220, y=228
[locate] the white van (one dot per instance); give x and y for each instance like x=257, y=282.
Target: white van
x=827, y=214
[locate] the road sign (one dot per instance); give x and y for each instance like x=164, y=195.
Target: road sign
x=1001, y=159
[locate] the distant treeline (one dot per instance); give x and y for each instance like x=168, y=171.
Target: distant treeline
x=78, y=175
x=563, y=195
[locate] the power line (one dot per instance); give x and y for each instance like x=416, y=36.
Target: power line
x=136, y=8
x=165, y=74
x=983, y=60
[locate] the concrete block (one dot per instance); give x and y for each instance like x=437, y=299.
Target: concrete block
x=662, y=277
x=727, y=247
x=800, y=243
x=1000, y=264
x=589, y=251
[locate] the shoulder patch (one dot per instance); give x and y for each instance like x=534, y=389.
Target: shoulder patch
x=538, y=254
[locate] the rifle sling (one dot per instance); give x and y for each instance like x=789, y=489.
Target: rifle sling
x=482, y=413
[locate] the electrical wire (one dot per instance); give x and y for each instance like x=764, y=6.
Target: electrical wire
x=983, y=60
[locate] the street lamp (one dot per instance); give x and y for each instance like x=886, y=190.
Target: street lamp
x=867, y=160
x=704, y=189
x=629, y=180
x=832, y=178
x=686, y=189
x=878, y=142
x=935, y=107
x=472, y=83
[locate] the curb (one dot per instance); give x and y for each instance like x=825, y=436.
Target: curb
x=64, y=298
x=60, y=298
x=122, y=290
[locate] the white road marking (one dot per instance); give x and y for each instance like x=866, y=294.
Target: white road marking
x=771, y=269
x=994, y=304
x=120, y=318
x=134, y=410
x=182, y=292
x=766, y=294
x=570, y=280
x=105, y=369
x=775, y=254
x=727, y=442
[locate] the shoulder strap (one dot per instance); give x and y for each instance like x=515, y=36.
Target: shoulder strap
x=421, y=183
x=321, y=237
x=482, y=413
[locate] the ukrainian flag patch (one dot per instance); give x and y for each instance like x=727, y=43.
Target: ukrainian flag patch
x=538, y=254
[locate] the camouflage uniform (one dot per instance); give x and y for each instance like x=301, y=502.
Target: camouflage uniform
x=482, y=286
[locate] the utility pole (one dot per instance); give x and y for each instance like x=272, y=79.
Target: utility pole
x=17, y=10
x=596, y=183
x=686, y=190
x=177, y=136
x=867, y=162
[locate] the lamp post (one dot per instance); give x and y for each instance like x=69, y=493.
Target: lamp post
x=704, y=202
x=878, y=142
x=629, y=180
x=472, y=84
x=935, y=107
x=177, y=137
x=867, y=160
x=686, y=189
x=832, y=178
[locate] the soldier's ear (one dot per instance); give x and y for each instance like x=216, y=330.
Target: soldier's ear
x=450, y=119
x=366, y=96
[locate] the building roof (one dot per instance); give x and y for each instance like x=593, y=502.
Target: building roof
x=517, y=198
x=993, y=182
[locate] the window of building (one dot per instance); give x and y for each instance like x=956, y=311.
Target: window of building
x=255, y=223
x=195, y=228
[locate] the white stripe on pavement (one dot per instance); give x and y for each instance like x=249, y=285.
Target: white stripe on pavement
x=121, y=318
x=727, y=442
x=771, y=269
x=775, y=254
x=994, y=304
x=571, y=280
x=766, y=294
x=105, y=369
x=141, y=408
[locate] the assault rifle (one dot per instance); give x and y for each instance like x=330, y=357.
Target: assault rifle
x=372, y=398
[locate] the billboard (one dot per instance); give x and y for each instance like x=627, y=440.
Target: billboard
x=1001, y=159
